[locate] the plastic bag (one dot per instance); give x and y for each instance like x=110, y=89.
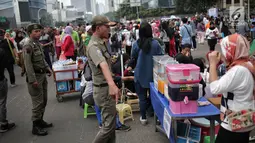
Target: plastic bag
x=62, y=57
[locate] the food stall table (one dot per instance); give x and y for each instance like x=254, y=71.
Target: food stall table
x=161, y=108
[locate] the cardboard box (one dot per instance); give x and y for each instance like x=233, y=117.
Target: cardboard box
x=215, y=101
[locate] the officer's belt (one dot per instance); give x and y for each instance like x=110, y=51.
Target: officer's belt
x=101, y=85
x=40, y=71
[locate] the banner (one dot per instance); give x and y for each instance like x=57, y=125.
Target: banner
x=135, y=3
x=213, y=12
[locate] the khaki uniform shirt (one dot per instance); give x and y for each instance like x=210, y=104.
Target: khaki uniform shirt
x=33, y=59
x=97, y=53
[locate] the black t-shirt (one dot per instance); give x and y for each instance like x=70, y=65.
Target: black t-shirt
x=5, y=46
x=182, y=59
x=116, y=68
x=3, y=63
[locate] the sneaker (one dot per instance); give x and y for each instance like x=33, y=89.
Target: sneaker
x=124, y=128
x=13, y=85
x=192, y=49
x=143, y=121
x=6, y=127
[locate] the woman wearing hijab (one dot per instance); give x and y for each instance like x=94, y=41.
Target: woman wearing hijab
x=164, y=35
x=212, y=34
x=172, y=49
x=143, y=50
x=67, y=46
x=19, y=37
x=237, y=86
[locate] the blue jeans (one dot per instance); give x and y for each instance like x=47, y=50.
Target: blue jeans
x=144, y=100
x=99, y=119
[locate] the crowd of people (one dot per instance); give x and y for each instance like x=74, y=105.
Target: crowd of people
x=102, y=41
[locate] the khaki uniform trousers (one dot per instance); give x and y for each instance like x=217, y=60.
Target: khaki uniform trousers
x=108, y=111
x=39, y=96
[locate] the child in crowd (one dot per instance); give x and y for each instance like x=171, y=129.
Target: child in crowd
x=184, y=56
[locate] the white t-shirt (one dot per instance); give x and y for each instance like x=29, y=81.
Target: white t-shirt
x=137, y=34
x=210, y=33
x=127, y=37
x=164, y=36
x=239, y=81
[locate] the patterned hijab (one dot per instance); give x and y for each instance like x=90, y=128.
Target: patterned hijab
x=235, y=48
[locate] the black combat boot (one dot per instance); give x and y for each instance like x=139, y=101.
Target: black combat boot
x=37, y=130
x=44, y=124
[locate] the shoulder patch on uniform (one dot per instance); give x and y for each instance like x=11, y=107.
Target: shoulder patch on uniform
x=99, y=53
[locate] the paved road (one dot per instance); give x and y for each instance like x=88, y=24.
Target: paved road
x=67, y=117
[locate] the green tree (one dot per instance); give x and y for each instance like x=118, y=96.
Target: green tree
x=192, y=6
x=131, y=12
x=61, y=23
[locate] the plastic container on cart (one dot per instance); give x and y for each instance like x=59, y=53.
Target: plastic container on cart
x=204, y=124
x=155, y=84
x=184, y=140
x=187, y=132
x=161, y=85
x=166, y=91
x=183, y=107
x=162, y=65
x=178, y=92
x=62, y=86
x=183, y=73
x=66, y=75
x=156, y=60
x=66, y=67
x=155, y=76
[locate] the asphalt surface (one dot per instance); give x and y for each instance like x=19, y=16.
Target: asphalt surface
x=67, y=117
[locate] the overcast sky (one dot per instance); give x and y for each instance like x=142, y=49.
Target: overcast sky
x=68, y=2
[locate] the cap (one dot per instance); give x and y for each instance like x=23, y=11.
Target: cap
x=100, y=20
x=33, y=26
x=88, y=27
x=7, y=31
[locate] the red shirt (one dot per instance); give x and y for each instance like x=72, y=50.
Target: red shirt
x=68, y=46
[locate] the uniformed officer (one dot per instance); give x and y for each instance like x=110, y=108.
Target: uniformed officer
x=105, y=89
x=36, y=69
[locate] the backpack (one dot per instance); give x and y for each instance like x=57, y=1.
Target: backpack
x=87, y=72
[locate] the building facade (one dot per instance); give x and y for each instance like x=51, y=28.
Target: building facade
x=79, y=4
x=7, y=10
x=37, y=8
x=22, y=12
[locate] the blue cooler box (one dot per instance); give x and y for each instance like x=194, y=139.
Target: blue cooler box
x=77, y=85
x=62, y=86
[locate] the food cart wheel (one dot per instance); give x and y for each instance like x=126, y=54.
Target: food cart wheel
x=59, y=98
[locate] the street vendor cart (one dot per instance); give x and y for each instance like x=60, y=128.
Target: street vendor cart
x=66, y=80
